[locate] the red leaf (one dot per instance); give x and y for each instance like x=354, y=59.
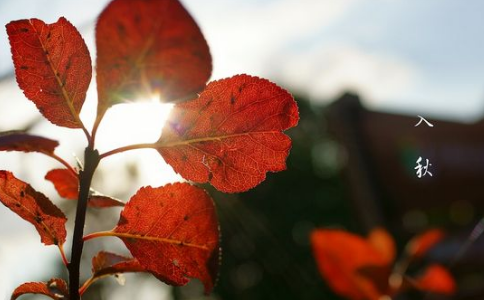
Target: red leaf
x=419, y=245
x=173, y=232
x=20, y=141
x=55, y=289
x=436, y=279
x=383, y=242
x=231, y=135
x=66, y=183
x=101, y=201
x=341, y=257
x=155, y=47
x=106, y=263
x=33, y=207
x=52, y=66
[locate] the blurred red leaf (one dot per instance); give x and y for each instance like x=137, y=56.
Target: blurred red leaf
x=67, y=185
x=342, y=258
x=33, y=207
x=65, y=182
x=147, y=47
x=383, y=242
x=21, y=141
x=55, y=289
x=436, y=279
x=420, y=244
x=173, y=232
x=231, y=135
x=52, y=67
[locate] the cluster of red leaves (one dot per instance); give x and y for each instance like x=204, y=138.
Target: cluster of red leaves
x=228, y=132
x=361, y=268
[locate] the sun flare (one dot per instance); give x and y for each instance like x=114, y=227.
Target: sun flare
x=133, y=123
x=138, y=122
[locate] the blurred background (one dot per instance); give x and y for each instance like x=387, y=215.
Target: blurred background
x=361, y=71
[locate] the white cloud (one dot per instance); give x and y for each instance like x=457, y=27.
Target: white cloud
x=325, y=72
x=245, y=35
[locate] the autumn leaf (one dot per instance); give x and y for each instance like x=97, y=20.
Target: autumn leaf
x=33, y=207
x=422, y=243
x=67, y=185
x=21, y=141
x=383, y=242
x=65, y=182
x=341, y=257
x=231, y=135
x=52, y=67
x=173, y=232
x=55, y=289
x=101, y=201
x=146, y=48
x=436, y=279
x=107, y=263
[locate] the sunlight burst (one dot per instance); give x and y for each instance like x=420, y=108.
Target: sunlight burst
x=135, y=123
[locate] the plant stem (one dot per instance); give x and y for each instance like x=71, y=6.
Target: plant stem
x=127, y=148
x=91, y=161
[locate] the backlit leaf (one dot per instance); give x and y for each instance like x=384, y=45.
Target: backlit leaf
x=55, y=289
x=231, y=135
x=101, y=201
x=342, y=257
x=173, y=232
x=52, y=67
x=33, y=207
x=422, y=243
x=146, y=48
x=436, y=279
x=67, y=185
x=21, y=141
x=106, y=263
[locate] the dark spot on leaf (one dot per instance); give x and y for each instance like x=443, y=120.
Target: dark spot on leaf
x=57, y=74
x=186, y=217
x=137, y=19
x=210, y=176
x=38, y=219
x=24, y=30
x=184, y=157
x=121, y=29
x=24, y=67
x=241, y=87
x=48, y=35
x=46, y=52
x=17, y=205
x=22, y=194
x=56, y=242
x=232, y=99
